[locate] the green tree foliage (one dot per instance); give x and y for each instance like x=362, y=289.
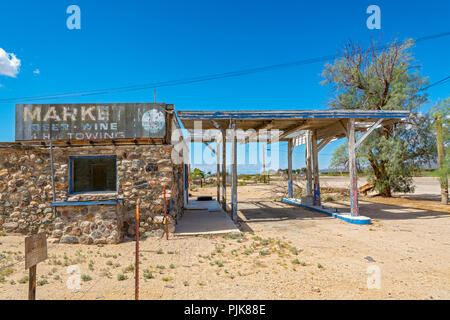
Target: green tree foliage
x=441, y=125
x=384, y=78
x=339, y=161
x=197, y=173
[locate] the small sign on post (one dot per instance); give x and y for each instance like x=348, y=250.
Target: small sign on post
x=35, y=252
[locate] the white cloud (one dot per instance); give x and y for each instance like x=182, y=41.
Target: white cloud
x=37, y=71
x=9, y=64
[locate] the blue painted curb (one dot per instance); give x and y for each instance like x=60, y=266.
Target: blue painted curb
x=347, y=218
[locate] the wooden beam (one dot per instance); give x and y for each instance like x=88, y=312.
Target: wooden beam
x=343, y=127
x=234, y=174
x=209, y=147
x=367, y=133
x=308, y=164
x=224, y=171
x=217, y=125
x=290, y=149
x=266, y=126
x=218, y=170
x=354, y=210
x=292, y=129
x=32, y=283
x=323, y=143
x=315, y=156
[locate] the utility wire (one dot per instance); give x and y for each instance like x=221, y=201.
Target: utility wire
x=446, y=79
x=196, y=79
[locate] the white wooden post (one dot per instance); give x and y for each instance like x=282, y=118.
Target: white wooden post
x=315, y=153
x=224, y=170
x=290, y=148
x=354, y=210
x=218, y=170
x=234, y=174
x=308, y=164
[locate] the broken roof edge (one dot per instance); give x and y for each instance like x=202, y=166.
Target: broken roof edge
x=292, y=114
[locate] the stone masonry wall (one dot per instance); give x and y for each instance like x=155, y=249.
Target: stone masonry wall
x=26, y=193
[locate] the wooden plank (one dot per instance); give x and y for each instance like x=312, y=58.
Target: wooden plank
x=32, y=283
x=293, y=129
x=265, y=126
x=366, y=134
x=308, y=164
x=234, y=174
x=290, y=149
x=209, y=147
x=354, y=209
x=315, y=156
x=35, y=249
x=323, y=143
x=291, y=114
x=218, y=170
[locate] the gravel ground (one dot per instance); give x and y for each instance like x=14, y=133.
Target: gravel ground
x=284, y=253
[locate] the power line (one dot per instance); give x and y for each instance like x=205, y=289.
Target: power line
x=195, y=79
x=446, y=79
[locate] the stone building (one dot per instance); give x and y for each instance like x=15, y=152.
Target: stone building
x=77, y=172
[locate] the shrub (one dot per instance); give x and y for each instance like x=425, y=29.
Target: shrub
x=86, y=277
x=121, y=277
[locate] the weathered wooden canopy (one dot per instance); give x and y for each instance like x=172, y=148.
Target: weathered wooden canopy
x=314, y=128
x=291, y=123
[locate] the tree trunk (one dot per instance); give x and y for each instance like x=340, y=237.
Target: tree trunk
x=441, y=159
x=379, y=171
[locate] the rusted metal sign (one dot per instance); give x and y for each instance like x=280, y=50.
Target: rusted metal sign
x=35, y=249
x=90, y=121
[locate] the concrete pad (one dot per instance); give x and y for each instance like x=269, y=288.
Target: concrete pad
x=333, y=212
x=204, y=217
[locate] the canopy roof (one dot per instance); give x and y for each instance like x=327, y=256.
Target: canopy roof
x=291, y=123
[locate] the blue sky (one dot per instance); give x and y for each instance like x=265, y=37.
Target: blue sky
x=132, y=42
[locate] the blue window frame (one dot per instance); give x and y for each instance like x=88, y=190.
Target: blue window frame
x=92, y=174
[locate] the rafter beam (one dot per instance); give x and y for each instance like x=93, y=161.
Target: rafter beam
x=367, y=133
x=217, y=125
x=209, y=147
x=323, y=143
x=266, y=126
x=292, y=130
x=343, y=127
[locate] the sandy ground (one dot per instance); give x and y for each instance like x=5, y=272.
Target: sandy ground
x=284, y=252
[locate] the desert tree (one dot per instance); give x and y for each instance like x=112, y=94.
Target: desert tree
x=441, y=125
x=384, y=77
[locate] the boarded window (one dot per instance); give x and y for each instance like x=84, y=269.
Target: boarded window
x=93, y=174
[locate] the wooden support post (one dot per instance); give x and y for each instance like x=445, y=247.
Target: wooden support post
x=315, y=155
x=354, y=210
x=264, y=163
x=218, y=170
x=224, y=170
x=290, y=149
x=234, y=174
x=32, y=283
x=308, y=164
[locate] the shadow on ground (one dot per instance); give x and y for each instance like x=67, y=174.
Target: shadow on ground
x=272, y=211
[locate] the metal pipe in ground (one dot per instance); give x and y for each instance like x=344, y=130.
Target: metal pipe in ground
x=165, y=214
x=136, y=268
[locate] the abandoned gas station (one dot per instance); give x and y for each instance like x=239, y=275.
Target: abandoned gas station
x=314, y=128
x=77, y=171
